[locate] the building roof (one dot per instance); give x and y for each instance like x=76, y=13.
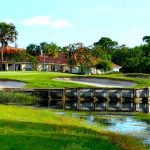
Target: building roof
x=59, y=59
x=115, y=65
x=9, y=49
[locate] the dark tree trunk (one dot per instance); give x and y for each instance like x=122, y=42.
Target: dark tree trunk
x=1, y=66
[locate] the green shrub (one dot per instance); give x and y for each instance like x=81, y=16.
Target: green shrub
x=104, y=65
x=16, y=98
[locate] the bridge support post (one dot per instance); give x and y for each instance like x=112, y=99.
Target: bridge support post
x=78, y=101
x=136, y=104
x=148, y=106
x=78, y=104
x=63, y=99
x=94, y=103
x=148, y=101
x=136, y=101
x=49, y=98
x=107, y=104
x=107, y=100
x=120, y=101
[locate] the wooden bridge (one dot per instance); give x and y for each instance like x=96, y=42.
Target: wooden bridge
x=99, y=99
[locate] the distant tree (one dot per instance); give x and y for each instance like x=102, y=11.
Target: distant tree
x=145, y=61
x=8, y=33
x=104, y=65
x=69, y=52
x=49, y=49
x=98, y=52
x=119, y=56
x=44, y=46
x=79, y=55
x=122, y=46
x=53, y=50
x=146, y=47
x=131, y=65
x=82, y=57
x=106, y=43
x=33, y=50
x=22, y=56
x=146, y=39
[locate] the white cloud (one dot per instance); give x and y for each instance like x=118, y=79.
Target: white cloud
x=38, y=20
x=61, y=24
x=46, y=21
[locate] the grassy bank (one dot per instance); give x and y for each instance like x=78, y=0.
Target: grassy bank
x=143, y=117
x=141, y=82
x=23, y=128
x=44, y=79
x=16, y=98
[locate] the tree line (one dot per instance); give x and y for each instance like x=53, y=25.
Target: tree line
x=100, y=54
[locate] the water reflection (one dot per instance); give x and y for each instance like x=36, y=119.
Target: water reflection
x=120, y=124
x=124, y=125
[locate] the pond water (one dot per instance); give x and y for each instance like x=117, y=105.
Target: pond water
x=11, y=84
x=99, y=82
x=121, y=124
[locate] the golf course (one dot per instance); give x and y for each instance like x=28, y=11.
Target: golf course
x=74, y=75
x=36, y=79
x=27, y=127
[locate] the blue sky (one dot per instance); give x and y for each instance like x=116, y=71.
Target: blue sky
x=69, y=21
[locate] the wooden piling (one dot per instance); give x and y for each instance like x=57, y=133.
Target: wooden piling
x=63, y=99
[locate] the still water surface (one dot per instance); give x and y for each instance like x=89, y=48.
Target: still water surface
x=121, y=124
x=125, y=125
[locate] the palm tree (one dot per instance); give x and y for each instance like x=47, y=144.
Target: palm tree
x=49, y=49
x=146, y=39
x=54, y=49
x=8, y=34
x=44, y=47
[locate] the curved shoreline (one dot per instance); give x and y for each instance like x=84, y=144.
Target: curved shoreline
x=99, y=82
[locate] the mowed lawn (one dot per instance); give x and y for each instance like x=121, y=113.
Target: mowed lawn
x=35, y=79
x=25, y=128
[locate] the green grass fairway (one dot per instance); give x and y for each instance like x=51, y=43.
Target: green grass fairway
x=143, y=117
x=24, y=128
x=35, y=79
x=39, y=79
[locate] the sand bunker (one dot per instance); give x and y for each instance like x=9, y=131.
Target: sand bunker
x=99, y=82
x=11, y=84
